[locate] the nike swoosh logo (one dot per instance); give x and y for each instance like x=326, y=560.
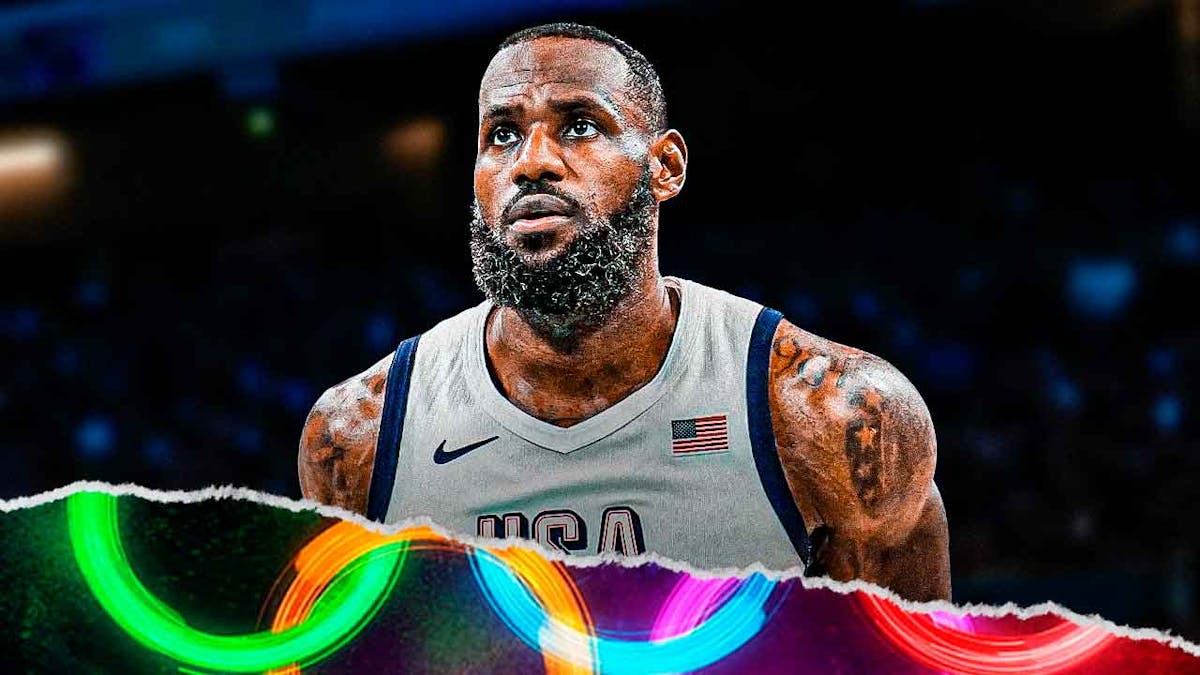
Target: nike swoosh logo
x=440, y=456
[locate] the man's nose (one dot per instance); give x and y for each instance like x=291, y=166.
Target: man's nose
x=539, y=159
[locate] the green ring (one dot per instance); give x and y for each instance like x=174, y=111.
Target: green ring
x=344, y=608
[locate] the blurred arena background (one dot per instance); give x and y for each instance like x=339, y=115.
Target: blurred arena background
x=210, y=212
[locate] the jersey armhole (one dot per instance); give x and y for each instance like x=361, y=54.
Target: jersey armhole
x=391, y=428
x=762, y=435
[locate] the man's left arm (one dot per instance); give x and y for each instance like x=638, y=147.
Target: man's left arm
x=858, y=448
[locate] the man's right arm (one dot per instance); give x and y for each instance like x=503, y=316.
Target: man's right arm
x=337, y=447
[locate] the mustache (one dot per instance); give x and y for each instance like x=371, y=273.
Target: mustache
x=537, y=187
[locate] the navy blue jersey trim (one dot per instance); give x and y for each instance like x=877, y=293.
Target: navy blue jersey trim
x=391, y=427
x=762, y=436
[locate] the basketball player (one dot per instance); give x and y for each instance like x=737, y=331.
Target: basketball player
x=596, y=406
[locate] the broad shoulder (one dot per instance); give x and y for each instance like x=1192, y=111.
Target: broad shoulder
x=853, y=434
x=337, y=446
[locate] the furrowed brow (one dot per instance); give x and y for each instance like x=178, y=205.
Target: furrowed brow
x=599, y=106
x=586, y=104
x=499, y=110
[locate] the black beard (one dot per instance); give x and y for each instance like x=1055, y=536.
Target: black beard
x=580, y=287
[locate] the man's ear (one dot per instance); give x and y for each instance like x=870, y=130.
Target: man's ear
x=668, y=165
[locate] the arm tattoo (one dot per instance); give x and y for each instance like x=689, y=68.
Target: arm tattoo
x=814, y=368
x=863, y=446
x=825, y=373
x=858, y=450
x=337, y=447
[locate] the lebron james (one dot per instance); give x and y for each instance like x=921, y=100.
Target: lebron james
x=595, y=406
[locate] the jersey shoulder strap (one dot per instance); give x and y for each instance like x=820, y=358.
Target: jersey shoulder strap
x=391, y=427
x=762, y=436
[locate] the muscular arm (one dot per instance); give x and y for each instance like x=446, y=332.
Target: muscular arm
x=337, y=447
x=858, y=449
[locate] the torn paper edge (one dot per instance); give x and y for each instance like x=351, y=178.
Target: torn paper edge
x=843, y=587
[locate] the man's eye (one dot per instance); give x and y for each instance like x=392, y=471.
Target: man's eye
x=581, y=129
x=503, y=136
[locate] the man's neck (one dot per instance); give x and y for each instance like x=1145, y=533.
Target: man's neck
x=601, y=366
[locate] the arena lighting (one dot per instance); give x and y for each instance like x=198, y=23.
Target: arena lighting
x=29, y=157
x=33, y=172
x=417, y=144
x=260, y=122
x=32, y=167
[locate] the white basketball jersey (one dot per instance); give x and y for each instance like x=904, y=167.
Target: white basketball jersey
x=685, y=466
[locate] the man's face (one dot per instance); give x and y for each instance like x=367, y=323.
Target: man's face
x=561, y=181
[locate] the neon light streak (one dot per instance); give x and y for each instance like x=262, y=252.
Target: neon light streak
x=348, y=604
x=343, y=576
x=727, y=629
x=689, y=602
x=552, y=585
x=929, y=641
x=325, y=557
x=343, y=543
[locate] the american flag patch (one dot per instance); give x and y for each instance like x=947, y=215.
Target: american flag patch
x=700, y=435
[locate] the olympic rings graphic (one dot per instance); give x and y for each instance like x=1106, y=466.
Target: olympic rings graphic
x=342, y=577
